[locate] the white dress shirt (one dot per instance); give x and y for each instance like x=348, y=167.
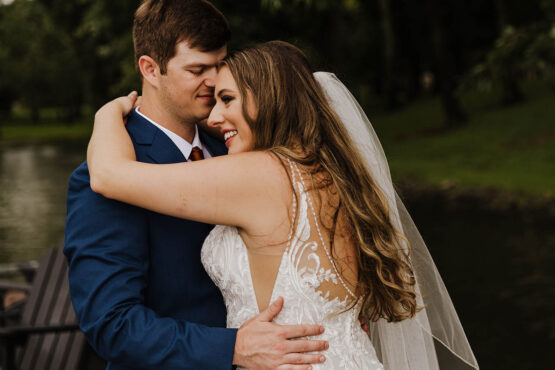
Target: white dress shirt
x=183, y=145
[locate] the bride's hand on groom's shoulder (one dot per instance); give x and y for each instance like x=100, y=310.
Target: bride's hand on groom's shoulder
x=119, y=106
x=262, y=344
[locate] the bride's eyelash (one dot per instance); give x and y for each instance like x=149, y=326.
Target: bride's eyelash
x=226, y=98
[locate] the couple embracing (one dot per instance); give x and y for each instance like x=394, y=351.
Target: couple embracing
x=310, y=234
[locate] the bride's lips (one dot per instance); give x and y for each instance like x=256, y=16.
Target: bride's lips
x=228, y=141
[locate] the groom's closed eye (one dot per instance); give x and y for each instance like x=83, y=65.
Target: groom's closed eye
x=198, y=69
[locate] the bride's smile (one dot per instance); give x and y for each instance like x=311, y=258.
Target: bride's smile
x=228, y=135
x=227, y=114
x=309, y=173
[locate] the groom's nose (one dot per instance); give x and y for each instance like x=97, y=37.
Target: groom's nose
x=210, y=80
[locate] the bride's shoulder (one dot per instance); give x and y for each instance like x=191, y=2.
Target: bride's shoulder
x=264, y=164
x=265, y=189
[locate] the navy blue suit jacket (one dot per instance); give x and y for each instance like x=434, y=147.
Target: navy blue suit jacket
x=141, y=294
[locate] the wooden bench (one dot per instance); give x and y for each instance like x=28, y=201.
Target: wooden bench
x=47, y=336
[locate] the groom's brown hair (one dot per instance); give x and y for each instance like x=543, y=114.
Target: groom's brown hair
x=159, y=25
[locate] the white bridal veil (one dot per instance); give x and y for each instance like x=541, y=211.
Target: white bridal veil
x=434, y=338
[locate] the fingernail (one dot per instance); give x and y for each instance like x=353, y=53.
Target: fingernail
x=321, y=329
x=327, y=345
x=322, y=358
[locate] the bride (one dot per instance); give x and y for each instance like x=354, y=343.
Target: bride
x=307, y=212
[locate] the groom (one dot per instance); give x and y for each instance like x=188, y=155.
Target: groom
x=140, y=292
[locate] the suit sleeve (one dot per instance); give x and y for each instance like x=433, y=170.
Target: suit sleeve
x=107, y=250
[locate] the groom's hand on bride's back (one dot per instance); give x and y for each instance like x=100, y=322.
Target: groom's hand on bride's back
x=262, y=344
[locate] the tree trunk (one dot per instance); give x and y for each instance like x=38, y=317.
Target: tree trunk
x=326, y=43
x=390, y=85
x=35, y=114
x=71, y=114
x=502, y=18
x=511, y=90
x=445, y=67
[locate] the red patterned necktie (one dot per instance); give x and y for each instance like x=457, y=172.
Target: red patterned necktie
x=196, y=154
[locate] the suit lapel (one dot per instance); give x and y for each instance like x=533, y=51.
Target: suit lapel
x=163, y=150
x=157, y=146
x=215, y=147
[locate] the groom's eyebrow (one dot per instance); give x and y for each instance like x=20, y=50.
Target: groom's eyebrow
x=199, y=65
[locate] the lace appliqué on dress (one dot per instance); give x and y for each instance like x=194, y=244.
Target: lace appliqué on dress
x=305, y=266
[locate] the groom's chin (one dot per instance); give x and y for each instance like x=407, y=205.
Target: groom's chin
x=206, y=103
x=202, y=112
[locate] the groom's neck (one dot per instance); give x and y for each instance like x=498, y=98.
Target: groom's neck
x=154, y=109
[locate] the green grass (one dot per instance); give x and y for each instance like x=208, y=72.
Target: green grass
x=506, y=148
x=509, y=148
x=24, y=133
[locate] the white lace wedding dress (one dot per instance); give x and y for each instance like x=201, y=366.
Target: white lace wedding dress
x=305, y=274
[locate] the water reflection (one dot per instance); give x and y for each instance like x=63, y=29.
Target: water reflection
x=33, y=183
x=497, y=264
x=498, y=267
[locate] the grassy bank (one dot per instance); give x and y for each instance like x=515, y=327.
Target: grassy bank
x=508, y=148
x=511, y=149
x=13, y=134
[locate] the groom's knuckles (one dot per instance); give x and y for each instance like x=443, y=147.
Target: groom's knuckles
x=282, y=332
x=299, y=358
x=269, y=313
x=297, y=331
x=294, y=367
x=306, y=345
x=294, y=358
x=280, y=347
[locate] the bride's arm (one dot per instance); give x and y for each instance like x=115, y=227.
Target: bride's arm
x=230, y=190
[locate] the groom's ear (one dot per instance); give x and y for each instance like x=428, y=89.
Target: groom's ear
x=149, y=69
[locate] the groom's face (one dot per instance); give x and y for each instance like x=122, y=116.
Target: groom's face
x=187, y=88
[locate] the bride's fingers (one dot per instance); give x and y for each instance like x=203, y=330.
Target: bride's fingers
x=127, y=103
x=138, y=101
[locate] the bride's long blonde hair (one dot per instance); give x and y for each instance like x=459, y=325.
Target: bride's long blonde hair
x=293, y=113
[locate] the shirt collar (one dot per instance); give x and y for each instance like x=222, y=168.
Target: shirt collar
x=183, y=145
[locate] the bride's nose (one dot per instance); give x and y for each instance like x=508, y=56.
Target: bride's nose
x=215, y=118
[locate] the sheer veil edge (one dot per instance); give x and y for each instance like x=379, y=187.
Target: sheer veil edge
x=434, y=338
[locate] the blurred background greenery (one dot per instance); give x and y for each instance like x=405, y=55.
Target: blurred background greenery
x=465, y=85
x=461, y=93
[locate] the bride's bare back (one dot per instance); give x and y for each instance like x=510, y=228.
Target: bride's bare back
x=334, y=262
x=295, y=262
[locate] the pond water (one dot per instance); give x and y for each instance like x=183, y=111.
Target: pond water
x=497, y=264
x=33, y=186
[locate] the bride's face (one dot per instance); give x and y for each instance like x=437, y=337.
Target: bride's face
x=227, y=114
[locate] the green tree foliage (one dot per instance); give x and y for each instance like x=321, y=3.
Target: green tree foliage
x=518, y=54
x=63, y=54
x=38, y=58
x=105, y=37
x=71, y=53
